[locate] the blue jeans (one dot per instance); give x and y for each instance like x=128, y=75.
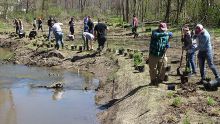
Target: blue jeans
x=59, y=39
x=207, y=55
x=191, y=61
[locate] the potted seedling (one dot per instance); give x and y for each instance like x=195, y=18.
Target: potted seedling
x=187, y=71
x=121, y=51
x=138, y=62
x=80, y=48
x=131, y=55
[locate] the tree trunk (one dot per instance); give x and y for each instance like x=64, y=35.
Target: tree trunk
x=27, y=6
x=5, y=11
x=180, y=5
x=127, y=10
x=167, y=16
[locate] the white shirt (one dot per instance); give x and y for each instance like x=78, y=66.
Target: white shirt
x=89, y=36
x=57, y=27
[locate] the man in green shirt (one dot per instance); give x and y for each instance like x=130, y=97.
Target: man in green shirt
x=157, y=54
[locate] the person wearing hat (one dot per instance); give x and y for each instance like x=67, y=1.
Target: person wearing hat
x=157, y=54
x=205, y=51
x=189, y=45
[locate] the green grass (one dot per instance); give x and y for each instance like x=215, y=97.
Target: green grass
x=170, y=94
x=4, y=26
x=211, y=101
x=177, y=102
x=186, y=120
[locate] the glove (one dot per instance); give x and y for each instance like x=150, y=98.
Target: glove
x=168, y=45
x=170, y=34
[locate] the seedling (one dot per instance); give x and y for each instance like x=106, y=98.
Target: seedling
x=138, y=59
x=170, y=94
x=208, y=79
x=121, y=51
x=186, y=120
x=177, y=102
x=211, y=101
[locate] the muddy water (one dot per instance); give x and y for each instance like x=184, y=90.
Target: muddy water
x=22, y=103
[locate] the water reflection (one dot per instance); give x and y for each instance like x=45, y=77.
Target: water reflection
x=57, y=94
x=20, y=103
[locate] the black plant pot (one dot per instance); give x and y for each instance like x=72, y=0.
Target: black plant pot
x=166, y=78
x=184, y=79
x=168, y=68
x=141, y=68
x=120, y=52
x=80, y=48
x=48, y=45
x=125, y=54
x=171, y=87
x=131, y=56
x=72, y=48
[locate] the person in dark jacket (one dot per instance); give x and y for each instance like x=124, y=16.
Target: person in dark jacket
x=100, y=34
x=188, y=45
x=157, y=54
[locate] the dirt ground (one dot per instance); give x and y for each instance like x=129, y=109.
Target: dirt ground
x=123, y=93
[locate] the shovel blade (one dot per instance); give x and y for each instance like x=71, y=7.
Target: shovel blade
x=178, y=72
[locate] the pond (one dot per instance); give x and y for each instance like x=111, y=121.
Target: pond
x=23, y=103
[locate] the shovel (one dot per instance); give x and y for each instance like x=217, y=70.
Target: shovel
x=178, y=69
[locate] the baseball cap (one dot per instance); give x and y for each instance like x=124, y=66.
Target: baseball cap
x=199, y=29
x=163, y=26
x=199, y=26
x=186, y=28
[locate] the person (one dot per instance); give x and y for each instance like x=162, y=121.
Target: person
x=20, y=25
x=205, y=51
x=90, y=25
x=16, y=26
x=72, y=24
x=85, y=22
x=135, y=26
x=100, y=34
x=49, y=23
x=90, y=37
x=57, y=31
x=85, y=29
x=40, y=24
x=189, y=45
x=35, y=24
x=157, y=54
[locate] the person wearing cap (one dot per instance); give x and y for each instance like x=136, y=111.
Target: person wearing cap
x=189, y=45
x=205, y=51
x=157, y=54
x=57, y=31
